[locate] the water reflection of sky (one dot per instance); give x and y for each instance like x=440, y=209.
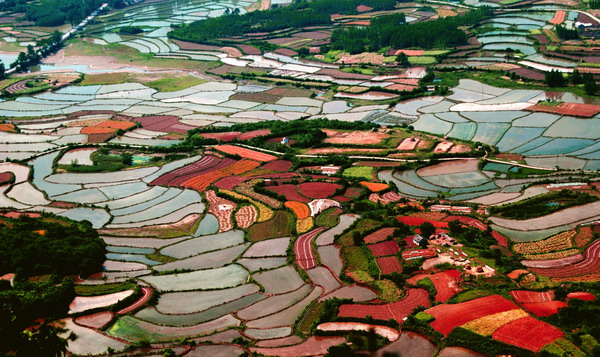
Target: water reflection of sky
x=8, y=58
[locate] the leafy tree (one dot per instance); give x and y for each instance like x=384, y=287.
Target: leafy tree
x=427, y=229
x=402, y=59
x=2, y=70
x=554, y=78
x=575, y=77
x=567, y=34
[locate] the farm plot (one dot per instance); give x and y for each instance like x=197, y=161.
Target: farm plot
x=245, y=153
x=222, y=209
x=287, y=316
x=318, y=189
x=290, y=192
x=590, y=264
x=85, y=303
x=204, y=244
x=270, y=248
x=300, y=209
x=528, y=333
x=323, y=277
x=397, y=310
x=389, y=265
x=278, y=281
x=219, y=278
x=445, y=283
x=379, y=235
x=131, y=329
x=195, y=301
x=384, y=248
x=202, y=182
x=213, y=259
x=303, y=248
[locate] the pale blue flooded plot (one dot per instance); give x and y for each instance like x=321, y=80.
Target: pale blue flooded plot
x=42, y=167
x=560, y=147
x=98, y=217
x=461, y=179
x=8, y=58
x=593, y=165
x=517, y=136
x=431, y=124
x=90, y=195
x=531, y=145
x=208, y=225
x=129, y=250
x=131, y=258
x=124, y=190
x=81, y=90
x=486, y=187
x=500, y=116
x=525, y=49
x=470, y=196
x=569, y=127
x=539, y=120
x=490, y=133
x=463, y=131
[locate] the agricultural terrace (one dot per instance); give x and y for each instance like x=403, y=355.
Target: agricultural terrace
x=287, y=188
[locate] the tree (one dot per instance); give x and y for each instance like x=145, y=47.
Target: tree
x=554, y=78
x=576, y=77
x=2, y=70
x=46, y=342
x=427, y=229
x=402, y=59
x=591, y=87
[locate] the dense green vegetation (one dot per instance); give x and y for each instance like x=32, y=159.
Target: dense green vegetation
x=542, y=205
x=391, y=30
x=303, y=134
x=594, y=4
x=130, y=30
x=567, y=34
x=42, y=246
x=32, y=246
x=299, y=14
x=58, y=12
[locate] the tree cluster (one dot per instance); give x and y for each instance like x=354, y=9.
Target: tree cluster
x=58, y=12
x=393, y=31
x=32, y=56
x=567, y=34
x=299, y=14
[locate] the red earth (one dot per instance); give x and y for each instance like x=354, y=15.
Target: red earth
x=528, y=333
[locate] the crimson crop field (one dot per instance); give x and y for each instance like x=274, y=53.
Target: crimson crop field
x=389, y=265
x=290, y=192
x=544, y=309
x=416, y=221
x=202, y=182
x=177, y=177
x=245, y=153
x=384, y=248
x=590, y=264
x=318, y=189
x=396, y=310
x=305, y=254
x=449, y=316
x=581, y=295
x=379, y=235
x=528, y=333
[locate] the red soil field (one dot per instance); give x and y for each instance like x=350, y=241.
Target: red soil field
x=166, y=123
x=147, y=293
x=384, y=248
x=581, y=295
x=446, y=284
x=449, y=316
x=245, y=153
x=227, y=136
x=254, y=133
x=318, y=189
x=544, y=309
x=415, y=221
x=389, y=265
x=290, y=192
x=526, y=296
x=352, y=192
x=96, y=130
x=99, y=138
x=115, y=124
x=303, y=248
x=222, y=209
x=559, y=17
x=202, y=182
x=396, y=310
x=201, y=166
x=590, y=264
x=528, y=333
x=379, y=235
x=583, y=236
x=575, y=109
x=314, y=346
x=6, y=177
x=300, y=209
x=229, y=183
x=278, y=165
x=353, y=137
x=502, y=240
x=375, y=187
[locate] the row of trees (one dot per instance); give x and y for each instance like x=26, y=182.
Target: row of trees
x=46, y=46
x=555, y=78
x=300, y=13
x=58, y=12
x=393, y=31
x=567, y=34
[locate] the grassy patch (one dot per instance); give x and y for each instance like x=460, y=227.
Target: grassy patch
x=157, y=257
x=347, y=239
x=160, y=82
x=388, y=291
x=435, y=52
x=368, y=71
x=278, y=226
x=127, y=55
x=543, y=205
x=365, y=172
x=421, y=60
x=355, y=258
x=310, y=316
x=329, y=218
x=92, y=290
